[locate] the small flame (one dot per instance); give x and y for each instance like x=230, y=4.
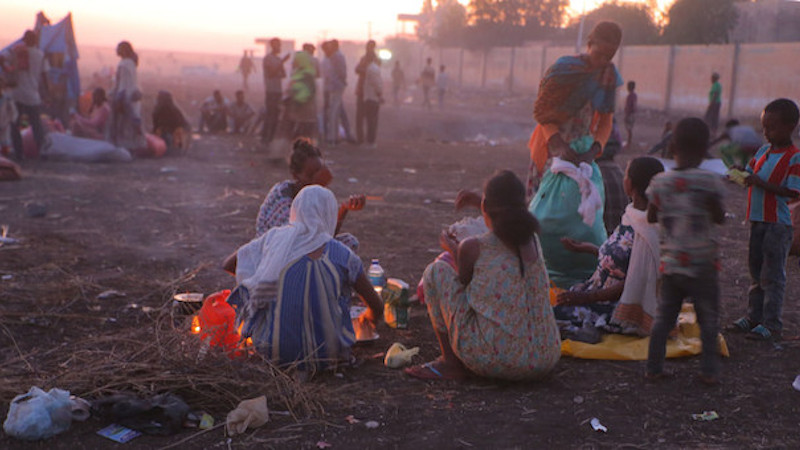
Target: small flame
x=195, y=325
x=247, y=342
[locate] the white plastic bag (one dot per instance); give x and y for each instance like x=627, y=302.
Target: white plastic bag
x=38, y=414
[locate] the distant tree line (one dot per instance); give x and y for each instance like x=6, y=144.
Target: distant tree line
x=496, y=23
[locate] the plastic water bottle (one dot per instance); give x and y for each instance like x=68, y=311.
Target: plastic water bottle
x=376, y=275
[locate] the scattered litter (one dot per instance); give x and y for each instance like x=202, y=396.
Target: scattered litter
x=706, y=416
x=398, y=355
x=427, y=201
x=147, y=309
x=81, y=409
x=482, y=139
x=111, y=293
x=796, y=384
x=7, y=277
x=160, y=415
x=597, y=426
x=118, y=433
x=577, y=399
x=323, y=444
x=351, y=419
x=464, y=443
x=206, y=421
x=339, y=375
x=38, y=414
x=168, y=169
x=409, y=170
x=371, y=425
x=251, y=413
x=36, y=210
x=352, y=180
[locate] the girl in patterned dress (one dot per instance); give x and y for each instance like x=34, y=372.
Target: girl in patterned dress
x=491, y=315
x=593, y=301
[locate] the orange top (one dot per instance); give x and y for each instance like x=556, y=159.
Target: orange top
x=601, y=127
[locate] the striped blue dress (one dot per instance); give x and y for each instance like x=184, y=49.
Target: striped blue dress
x=309, y=320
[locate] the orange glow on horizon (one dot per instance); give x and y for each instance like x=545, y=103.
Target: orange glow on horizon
x=181, y=25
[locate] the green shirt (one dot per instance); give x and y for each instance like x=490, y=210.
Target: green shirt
x=715, y=94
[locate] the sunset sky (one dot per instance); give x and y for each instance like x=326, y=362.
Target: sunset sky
x=227, y=27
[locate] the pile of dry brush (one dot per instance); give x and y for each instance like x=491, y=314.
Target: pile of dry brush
x=146, y=360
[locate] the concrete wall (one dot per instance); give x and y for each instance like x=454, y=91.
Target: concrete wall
x=668, y=78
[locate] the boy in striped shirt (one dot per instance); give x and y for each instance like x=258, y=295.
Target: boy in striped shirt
x=774, y=180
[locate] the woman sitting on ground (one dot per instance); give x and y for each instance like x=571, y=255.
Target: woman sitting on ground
x=94, y=126
x=621, y=294
x=294, y=287
x=170, y=124
x=491, y=315
x=307, y=167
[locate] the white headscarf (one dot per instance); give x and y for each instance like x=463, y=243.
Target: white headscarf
x=312, y=223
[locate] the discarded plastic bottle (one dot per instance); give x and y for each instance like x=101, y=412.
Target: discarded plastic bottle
x=376, y=275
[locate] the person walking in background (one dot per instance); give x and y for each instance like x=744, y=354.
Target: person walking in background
x=427, y=80
x=631, y=108
x=774, y=180
x=274, y=73
x=714, y=104
x=31, y=70
x=127, y=128
x=246, y=67
x=361, y=71
x=687, y=203
x=398, y=83
x=334, y=82
x=373, y=98
x=442, y=83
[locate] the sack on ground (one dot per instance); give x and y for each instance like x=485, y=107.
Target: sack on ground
x=60, y=146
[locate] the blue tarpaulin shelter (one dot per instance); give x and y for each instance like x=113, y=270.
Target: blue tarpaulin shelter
x=56, y=40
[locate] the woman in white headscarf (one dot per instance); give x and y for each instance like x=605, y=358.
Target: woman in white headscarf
x=294, y=286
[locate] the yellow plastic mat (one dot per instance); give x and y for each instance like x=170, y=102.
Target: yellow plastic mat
x=633, y=348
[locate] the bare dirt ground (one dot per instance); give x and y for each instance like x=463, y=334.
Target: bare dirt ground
x=138, y=227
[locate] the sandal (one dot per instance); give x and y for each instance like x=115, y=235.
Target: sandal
x=762, y=333
x=427, y=371
x=743, y=325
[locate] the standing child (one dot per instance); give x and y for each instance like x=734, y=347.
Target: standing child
x=631, y=107
x=686, y=203
x=774, y=179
